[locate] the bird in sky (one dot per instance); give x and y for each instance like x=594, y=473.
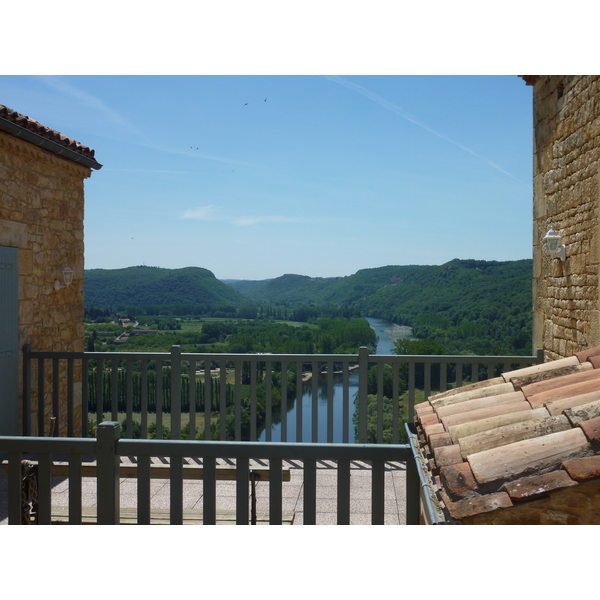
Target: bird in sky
x=246, y=104
x=265, y=99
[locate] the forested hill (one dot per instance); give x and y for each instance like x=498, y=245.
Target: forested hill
x=139, y=286
x=401, y=293
x=486, y=301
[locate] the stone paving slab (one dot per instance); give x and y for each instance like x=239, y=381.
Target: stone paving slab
x=292, y=493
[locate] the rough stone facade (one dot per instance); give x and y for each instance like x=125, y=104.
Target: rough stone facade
x=41, y=214
x=566, y=122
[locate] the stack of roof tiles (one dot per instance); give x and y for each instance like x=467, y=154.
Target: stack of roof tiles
x=523, y=448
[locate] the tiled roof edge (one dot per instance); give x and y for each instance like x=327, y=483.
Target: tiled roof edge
x=33, y=132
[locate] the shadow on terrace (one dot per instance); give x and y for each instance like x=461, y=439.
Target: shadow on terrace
x=223, y=438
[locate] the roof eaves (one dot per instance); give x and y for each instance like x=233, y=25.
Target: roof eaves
x=31, y=131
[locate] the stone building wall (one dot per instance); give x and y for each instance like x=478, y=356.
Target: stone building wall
x=566, y=111
x=41, y=214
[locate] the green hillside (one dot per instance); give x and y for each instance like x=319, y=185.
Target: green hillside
x=137, y=286
x=474, y=306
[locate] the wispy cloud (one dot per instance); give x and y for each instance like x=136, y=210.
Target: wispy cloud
x=87, y=100
x=399, y=111
x=245, y=221
x=204, y=213
x=210, y=213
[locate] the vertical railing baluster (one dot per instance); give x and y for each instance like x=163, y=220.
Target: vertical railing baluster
x=55, y=395
x=70, y=397
x=129, y=397
x=380, y=370
x=275, y=491
x=85, y=396
x=459, y=374
x=346, y=402
x=143, y=490
x=474, y=372
x=192, y=392
x=330, y=423
x=144, y=399
x=75, y=489
x=14, y=488
x=176, y=490
x=241, y=491
x=26, y=390
x=395, y=401
x=443, y=376
x=268, y=401
x=207, y=398
x=377, y=492
x=315, y=402
x=41, y=393
x=253, y=368
x=343, y=492
x=115, y=391
x=299, y=393
x=238, y=399
x=284, y=399
x=44, y=490
x=363, y=376
x=427, y=381
x=209, y=490
x=223, y=399
x=99, y=392
x=175, y=392
x=159, y=399
x=107, y=480
x=310, y=491
x=411, y=391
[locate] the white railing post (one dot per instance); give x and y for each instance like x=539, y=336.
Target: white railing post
x=108, y=473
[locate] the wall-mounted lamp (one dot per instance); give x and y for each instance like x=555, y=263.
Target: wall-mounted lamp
x=553, y=246
x=67, y=275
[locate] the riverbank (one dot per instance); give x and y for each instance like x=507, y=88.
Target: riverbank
x=399, y=332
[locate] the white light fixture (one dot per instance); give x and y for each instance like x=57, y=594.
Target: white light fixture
x=553, y=246
x=67, y=275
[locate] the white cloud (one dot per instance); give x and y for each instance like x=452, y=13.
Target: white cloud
x=204, y=213
x=245, y=221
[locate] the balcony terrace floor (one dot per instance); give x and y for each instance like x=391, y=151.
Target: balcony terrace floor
x=292, y=493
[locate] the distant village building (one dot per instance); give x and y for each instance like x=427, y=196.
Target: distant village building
x=566, y=154
x=42, y=175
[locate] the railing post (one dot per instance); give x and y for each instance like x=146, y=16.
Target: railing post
x=363, y=375
x=176, y=392
x=26, y=389
x=539, y=355
x=108, y=473
x=413, y=487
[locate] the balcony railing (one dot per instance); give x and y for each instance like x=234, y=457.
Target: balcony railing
x=107, y=450
x=233, y=400
x=238, y=397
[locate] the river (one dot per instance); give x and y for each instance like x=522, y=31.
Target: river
x=387, y=333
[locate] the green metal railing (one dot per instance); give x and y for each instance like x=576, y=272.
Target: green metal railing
x=242, y=393
x=108, y=448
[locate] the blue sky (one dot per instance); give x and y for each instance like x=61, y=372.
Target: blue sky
x=252, y=177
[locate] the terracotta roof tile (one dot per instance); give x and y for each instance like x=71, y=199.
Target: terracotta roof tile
x=50, y=134
x=491, y=445
x=583, y=469
x=587, y=373
x=537, y=486
x=527, y=456
x=591, y=428
x=439, y=439
x=458, y=479
x=447, y=455
x=475, y=506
